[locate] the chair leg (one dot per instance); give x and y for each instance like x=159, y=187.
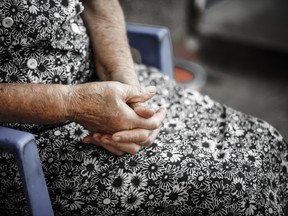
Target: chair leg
x=24, y=148
x=33, y=180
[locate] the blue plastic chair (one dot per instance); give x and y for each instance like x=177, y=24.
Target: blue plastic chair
x=154, y=44
x=155, y=48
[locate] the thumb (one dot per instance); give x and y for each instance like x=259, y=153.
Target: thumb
x=136, y=94
x=144, y=111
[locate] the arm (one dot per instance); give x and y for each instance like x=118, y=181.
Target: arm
x=86, y=104
x=33, y=103
x=106, y=25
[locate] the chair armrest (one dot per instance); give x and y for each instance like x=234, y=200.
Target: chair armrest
x=24, y=148
x=154, y=45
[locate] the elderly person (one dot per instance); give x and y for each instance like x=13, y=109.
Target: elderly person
x=67, y=76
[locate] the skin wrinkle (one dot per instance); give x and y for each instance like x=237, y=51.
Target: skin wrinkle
x=115, y=114
x=85, y=95
x=102, y=98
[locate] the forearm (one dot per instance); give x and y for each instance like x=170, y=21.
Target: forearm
x=33, y=103
x=106, y=25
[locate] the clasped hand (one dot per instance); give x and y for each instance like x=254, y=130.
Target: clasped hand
x=117, y=116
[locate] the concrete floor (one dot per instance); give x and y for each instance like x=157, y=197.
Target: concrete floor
x=243, y=74
x=244, y=45
x=252, y=81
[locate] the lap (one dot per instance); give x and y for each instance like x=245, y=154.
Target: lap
x=208, y=159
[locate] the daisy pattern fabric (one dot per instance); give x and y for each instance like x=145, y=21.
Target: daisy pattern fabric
x=208, y=159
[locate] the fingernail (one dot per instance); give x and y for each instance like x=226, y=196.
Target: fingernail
x=152, y=89
x=117, y=138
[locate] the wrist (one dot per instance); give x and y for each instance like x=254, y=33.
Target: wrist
x=126, y=78
x=124, y=74
x=69, y=98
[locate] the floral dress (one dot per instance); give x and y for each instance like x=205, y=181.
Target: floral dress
x=208, y=159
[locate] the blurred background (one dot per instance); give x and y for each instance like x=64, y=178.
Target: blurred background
x=241, y=44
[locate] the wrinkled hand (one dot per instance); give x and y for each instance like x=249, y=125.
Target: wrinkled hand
x=102, y=107
x=129, y=141
x=142, y=137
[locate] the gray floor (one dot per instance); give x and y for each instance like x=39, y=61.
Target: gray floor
x=241, y=73
x=251, y=94
x=245, y=51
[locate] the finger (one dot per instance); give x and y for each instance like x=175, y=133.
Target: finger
x=99, y=136
x=134, y=135
x=103, y=138
x=90, y=140
x=151, y=138
x=136, y=94
x=131, y=148
x=144, y=111
x=95, y=136
x=93, y=139
x=87, y=139
x=152, y=123
x=134, y=105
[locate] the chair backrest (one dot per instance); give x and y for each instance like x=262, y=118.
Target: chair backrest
x=154, y=45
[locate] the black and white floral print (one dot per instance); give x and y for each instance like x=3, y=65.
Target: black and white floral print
x=212, y=160
x=208, y=159
x=49, y=31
